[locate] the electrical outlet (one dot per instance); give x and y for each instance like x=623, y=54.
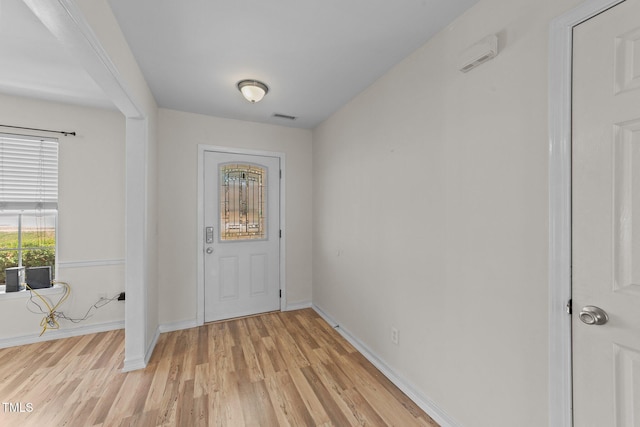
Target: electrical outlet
x=395, y=336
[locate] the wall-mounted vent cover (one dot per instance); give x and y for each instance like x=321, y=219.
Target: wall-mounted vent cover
x=284, y=116
x=479, y=53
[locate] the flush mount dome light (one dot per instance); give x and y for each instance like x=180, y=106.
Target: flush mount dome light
x=253, y=90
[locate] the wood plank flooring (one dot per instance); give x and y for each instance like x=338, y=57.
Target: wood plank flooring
x=275, y=369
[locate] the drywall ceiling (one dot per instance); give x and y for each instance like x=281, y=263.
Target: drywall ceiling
x=35, y=65
x=314, y=55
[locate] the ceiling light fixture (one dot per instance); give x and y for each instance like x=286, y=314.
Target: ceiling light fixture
x=252, y=90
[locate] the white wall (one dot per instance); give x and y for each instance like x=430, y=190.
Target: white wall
x=91, y=211
x=179, y=136
x=430, y=215
x=132, y=94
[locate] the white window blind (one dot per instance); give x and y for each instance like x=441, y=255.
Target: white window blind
x=28, y=172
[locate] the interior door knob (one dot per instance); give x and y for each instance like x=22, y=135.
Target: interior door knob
x=209, y=250
x=592, y=315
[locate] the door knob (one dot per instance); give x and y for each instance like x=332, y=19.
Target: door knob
x=209, y=250
x=593, y=315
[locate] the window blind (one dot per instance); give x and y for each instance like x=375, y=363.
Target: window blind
x=28, y=172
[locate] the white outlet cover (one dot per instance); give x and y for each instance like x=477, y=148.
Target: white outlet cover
x=395, y=336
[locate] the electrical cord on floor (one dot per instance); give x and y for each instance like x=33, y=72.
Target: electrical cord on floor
x=50, y=320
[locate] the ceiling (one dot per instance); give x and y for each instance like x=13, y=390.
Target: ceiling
x=35, y=65
x=314, y=55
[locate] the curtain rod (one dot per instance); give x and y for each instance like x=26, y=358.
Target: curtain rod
x=41, y=130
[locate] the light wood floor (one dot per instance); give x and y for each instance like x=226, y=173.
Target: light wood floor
x=274, y=369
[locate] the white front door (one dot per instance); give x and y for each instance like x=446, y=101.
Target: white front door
x=241, y=235
x=606, y=219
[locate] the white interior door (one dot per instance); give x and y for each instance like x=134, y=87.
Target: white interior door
x=242, y=234
x=606, y=218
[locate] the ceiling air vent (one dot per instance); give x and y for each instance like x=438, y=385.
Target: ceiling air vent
x=284, y=116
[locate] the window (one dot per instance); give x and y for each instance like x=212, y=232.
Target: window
x=28, y=201
x=242, y=202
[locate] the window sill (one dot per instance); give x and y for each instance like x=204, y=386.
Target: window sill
x=54, y=290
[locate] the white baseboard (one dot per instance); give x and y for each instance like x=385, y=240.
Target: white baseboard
x=426, y=404
x=142, y=362
x=61, y=333
x=177, y=326
x=152, y=345
x=193, y=323
x=297, y=306
x=134, y=364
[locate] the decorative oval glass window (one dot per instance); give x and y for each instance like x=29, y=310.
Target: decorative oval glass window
x=242, y=202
